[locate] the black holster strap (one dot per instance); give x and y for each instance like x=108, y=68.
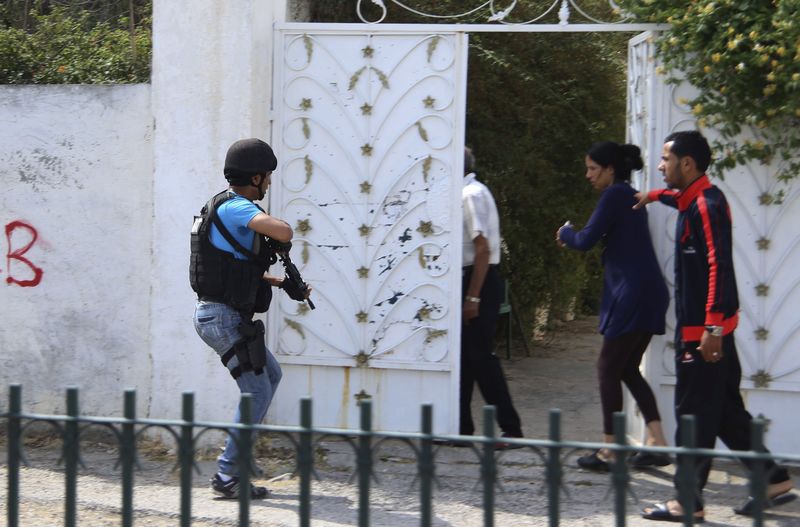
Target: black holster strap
x=227, y=356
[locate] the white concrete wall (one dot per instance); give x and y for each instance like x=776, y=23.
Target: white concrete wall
x=211, y=86
x=76, y=169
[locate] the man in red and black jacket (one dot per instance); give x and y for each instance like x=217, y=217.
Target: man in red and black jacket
x=707, y=305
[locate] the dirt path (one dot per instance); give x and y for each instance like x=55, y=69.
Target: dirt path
x=560, y=375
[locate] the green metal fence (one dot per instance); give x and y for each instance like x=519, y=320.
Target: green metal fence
x=364, y=441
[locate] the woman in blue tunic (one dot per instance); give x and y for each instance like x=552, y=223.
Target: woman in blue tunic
x=635, y=296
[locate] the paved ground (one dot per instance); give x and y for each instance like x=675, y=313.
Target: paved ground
x=560, y=375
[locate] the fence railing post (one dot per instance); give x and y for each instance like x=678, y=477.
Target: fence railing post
x=305, y=461
x=245, y=458
x=364, y=462
x=186, y=457
x=426, y=467
x=758, y=473
x=488, y=466
x=71, y=458
x=128, y=456
x=553, y=469
x=14, y=429
x=687, y=470
x=619, y=468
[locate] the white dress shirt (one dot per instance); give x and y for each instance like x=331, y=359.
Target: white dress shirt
x=480, y=217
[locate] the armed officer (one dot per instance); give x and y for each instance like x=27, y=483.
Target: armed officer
x=234, y=241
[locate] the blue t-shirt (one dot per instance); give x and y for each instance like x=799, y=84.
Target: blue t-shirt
x=235, y=214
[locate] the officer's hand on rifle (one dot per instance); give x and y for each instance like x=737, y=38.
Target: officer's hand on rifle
x=292, y=283
x=274, y=281
x=280, y=247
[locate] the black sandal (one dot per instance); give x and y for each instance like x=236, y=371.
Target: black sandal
x=749, y=507
x=594, y=463
x=648, y=459
x=660, y=512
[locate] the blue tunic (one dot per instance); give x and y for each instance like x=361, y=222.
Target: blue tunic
x=635, y=296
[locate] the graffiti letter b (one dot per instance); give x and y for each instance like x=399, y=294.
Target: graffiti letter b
x=17, y=255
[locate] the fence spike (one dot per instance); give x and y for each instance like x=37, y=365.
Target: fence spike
x=128, y=456
x=364, y=462
x=553, y=470
x=305, y=460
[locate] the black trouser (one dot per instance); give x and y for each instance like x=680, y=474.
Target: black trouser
x=480, y=364
x=710, y=392
x=619, y=362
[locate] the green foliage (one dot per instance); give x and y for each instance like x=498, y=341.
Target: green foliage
x=536, y=102
x=68, y=46
x=744, y=57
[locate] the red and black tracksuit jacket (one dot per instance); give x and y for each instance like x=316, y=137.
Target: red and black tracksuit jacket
x=705, y=284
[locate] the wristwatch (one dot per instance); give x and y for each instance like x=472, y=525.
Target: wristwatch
x=714, y=331
x=473, y=299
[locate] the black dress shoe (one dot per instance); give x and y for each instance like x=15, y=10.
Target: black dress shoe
x=454, y=443
x=502, y=445
x=593, y=462
x=648, y=459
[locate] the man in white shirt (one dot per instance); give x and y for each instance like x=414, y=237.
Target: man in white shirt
x=482, y=287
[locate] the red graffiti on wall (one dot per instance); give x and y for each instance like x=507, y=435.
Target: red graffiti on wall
x=17, y=254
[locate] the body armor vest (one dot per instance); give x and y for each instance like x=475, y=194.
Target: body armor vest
x=217, y=275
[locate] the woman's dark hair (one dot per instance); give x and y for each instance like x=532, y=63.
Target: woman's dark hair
x=622, y=158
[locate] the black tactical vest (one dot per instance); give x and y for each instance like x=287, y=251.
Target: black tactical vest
x=217, y=275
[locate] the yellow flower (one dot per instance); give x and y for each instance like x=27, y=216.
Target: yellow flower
x=660, y=70
x=771, y=77
x=723, y=89
x=732, y=44
x=770, y=89
x=698, y=109
x=754, y=35
x=716, y=57
x=781, y=51
x=796, y=77
x=673, y=41
x=758, y=145
x=707, y=68
x=701, y=123
x=61, y=69
x=740, y=66
x=730, y=30
x=683, y=100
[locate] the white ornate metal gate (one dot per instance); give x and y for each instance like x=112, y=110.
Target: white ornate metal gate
x=370, y=144
x=765, y=241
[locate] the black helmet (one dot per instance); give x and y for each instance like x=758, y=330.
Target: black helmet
x=246, y=158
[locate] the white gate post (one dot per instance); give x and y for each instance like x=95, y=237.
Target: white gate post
x=211, y=85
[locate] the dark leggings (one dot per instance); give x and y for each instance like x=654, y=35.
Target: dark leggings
x=619, y=362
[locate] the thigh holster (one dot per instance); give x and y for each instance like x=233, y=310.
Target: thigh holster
x=250, y=351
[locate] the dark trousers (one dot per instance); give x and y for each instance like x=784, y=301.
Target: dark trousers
x=480, y=364
x=710, y=392
x=619, y=362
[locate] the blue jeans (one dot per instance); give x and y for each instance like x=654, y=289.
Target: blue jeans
x=218, y=326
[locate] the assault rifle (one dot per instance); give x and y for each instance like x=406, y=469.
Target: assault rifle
x=292, y=283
